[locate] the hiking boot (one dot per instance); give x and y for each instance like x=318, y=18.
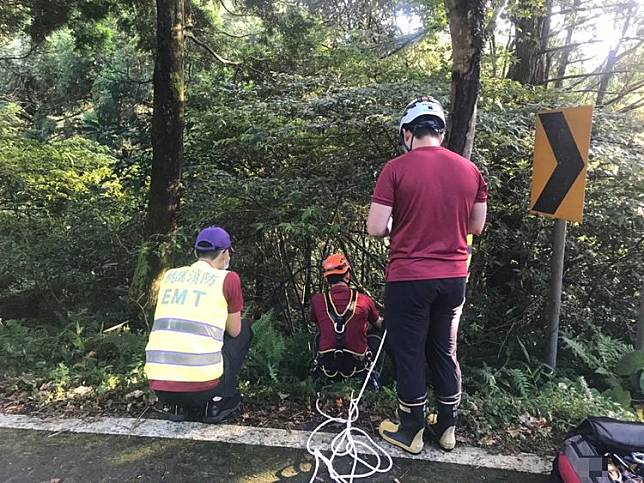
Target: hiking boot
x=174, y=412
x=443, y=432
x=217, y=411
x=408, y=433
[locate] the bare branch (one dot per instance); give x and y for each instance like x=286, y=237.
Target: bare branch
x=594, y=7
x=230, y=12
x=635, y=105
x=569, y=46
x=591, y=74
x=597, y=90
x=626, y=91
x=234, y=36
x=583, y=59
x=210, y=51
x=575, y=25
x=629, y=50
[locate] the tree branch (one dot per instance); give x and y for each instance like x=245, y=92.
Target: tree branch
x=635, y=105
x=210, y=51
x=575, y=25
x=234, y=36
x=594, y=7
x=591, y=74
x=569, y=46
x=626, y=91
x=583, y=59
x=234, y=14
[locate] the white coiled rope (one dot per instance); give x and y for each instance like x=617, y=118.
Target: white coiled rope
x=345, y=443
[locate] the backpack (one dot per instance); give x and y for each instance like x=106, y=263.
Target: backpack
x=600, y=449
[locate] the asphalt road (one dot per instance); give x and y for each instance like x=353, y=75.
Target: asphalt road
x=38, y=456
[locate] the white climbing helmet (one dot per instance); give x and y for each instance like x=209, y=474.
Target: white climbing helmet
x=422, y=106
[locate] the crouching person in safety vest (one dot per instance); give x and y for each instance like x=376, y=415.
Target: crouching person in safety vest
x=198, y=341
x=342, y=315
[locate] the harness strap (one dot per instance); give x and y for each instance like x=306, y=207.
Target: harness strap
x=340, y=320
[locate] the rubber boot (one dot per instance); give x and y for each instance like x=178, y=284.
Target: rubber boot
x=408, y=434
x=443, y=428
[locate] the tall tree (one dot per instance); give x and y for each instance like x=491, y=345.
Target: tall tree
x=467, y=29
x=168, y=124
x=532, y=30
x=168, y=120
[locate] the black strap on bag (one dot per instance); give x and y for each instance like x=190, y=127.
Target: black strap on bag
x=612, y=435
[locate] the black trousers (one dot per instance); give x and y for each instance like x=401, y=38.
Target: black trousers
x=234, y=352
x=421, y=318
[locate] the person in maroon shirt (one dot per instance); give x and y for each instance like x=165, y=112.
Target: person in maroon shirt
x=342, y=316
x=434, y=198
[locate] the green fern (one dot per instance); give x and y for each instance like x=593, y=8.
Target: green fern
x=518, y=381
x=485, y=377
x=583, y=352
x=610, y=350
x=599, y=354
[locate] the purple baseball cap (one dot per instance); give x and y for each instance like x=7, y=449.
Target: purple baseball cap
x=213, y=238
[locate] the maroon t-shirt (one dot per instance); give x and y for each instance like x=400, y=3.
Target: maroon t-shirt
x=234, y=298
x=355, y=332
x=431, y=191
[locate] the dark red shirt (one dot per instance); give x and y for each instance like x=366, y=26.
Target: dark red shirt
x=431, y=191
x=355, y=332
x=234, y=298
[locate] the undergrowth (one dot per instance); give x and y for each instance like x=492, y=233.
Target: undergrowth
x=518, y=405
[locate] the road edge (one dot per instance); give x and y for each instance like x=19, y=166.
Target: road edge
x=226, y=433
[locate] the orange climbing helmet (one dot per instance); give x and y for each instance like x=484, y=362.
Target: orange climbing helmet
x=335, y=264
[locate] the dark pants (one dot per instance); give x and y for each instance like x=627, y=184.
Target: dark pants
x=234, y=352
x=421, y=318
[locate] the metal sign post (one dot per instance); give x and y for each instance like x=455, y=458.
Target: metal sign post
x=556, y=275
x=561, y=148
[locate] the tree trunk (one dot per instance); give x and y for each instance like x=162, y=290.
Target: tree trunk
x=531, y=41
x=466, y=25
x=565, y=53
x=167, y=157
x=497, y=7
x=611, y=60
x=168, y=120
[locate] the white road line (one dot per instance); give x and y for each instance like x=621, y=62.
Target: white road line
x=156, y=428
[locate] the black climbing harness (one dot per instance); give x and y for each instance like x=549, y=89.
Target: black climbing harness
x=343, y=361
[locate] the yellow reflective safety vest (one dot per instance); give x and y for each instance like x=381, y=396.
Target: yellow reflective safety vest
x=470, y=240
x=189, y=323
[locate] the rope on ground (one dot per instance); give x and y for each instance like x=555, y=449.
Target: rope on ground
x=345, y=444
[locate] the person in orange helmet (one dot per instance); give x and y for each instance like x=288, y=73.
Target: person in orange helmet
x=343, y=316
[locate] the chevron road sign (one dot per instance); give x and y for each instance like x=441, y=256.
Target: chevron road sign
x=560, y=157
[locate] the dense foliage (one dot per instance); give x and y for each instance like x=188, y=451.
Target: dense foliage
x=283, y=150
